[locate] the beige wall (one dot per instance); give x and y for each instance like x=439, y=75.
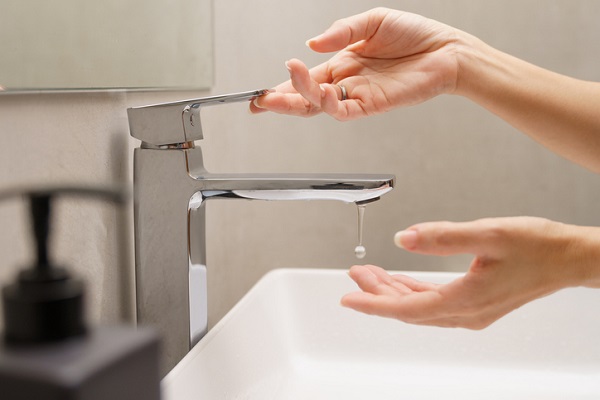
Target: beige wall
x=452, y=159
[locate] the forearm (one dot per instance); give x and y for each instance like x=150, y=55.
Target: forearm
x=559, y=112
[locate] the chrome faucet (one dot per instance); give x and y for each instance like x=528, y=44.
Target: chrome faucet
x=171, y=187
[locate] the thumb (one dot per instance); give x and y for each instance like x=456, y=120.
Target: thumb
x=347, y=31
x=448, y=238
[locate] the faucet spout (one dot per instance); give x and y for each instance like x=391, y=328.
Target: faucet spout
x=358, y=188
x=348, y=188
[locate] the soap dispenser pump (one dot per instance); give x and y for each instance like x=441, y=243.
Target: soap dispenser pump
x=47, y=352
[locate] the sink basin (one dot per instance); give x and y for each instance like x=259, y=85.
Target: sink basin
x=289, y=338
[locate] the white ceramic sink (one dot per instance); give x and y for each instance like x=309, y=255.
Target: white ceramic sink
x=289, y=338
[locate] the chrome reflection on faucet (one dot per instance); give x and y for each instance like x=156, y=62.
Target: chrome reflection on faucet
x=171, y=187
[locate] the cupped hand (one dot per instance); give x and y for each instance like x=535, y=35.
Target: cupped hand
x=516, y=261
x=386, y=58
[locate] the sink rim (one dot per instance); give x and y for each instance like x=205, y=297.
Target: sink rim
x=297, y=336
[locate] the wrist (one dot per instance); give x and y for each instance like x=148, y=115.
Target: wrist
x=585, y=250
x=477, y=63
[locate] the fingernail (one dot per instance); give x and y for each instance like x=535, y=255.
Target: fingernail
x=312, y=40
x=255, y=102
x=322, y=91
x=288, y=66
x=406, y=239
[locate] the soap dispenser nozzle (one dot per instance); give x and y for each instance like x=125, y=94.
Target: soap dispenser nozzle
x=45, y=303
x=40, y=218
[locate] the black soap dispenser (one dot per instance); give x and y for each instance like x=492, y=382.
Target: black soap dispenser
x=47, y=352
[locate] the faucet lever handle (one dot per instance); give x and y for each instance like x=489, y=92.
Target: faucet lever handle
x=177, y=122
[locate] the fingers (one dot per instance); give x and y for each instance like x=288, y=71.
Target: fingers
x=308, y=93
x=376, y=280
x=304, y=83
x=314, y=86
x=284, y=103
x=413, y=307
x=425, y=308
x=348, y=31
x=300, y=96
x=369, y=303
x=373, y=279
x=416, y=302
x=345, y=110
x=481, y=237
x=413, y=284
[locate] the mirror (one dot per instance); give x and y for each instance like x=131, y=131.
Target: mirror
x=109, y=44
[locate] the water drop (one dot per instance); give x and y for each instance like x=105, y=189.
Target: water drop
x=360, y=251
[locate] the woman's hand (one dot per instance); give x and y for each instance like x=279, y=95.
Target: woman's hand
x=516, y=260
x=386, y=58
